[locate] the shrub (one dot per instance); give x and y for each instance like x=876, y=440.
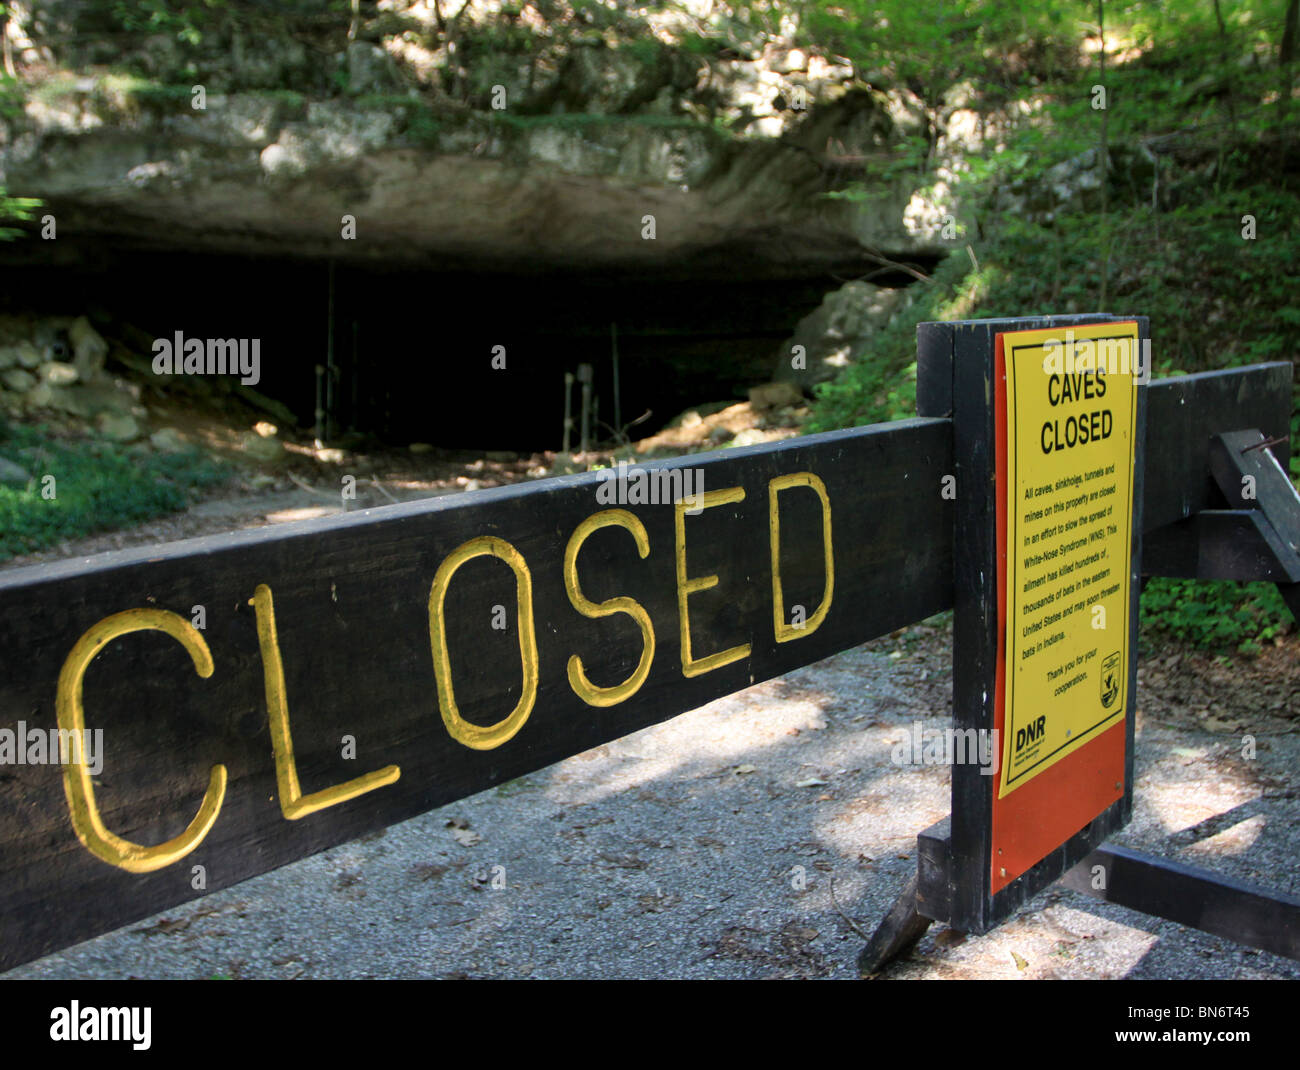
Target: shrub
x=97, y=486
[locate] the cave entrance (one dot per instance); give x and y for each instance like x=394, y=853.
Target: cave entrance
x=415, y=354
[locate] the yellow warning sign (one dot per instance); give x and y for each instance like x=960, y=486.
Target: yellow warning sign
x=1071, y=408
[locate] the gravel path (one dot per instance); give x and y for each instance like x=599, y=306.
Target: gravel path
x=738, y=840
x=710, y=847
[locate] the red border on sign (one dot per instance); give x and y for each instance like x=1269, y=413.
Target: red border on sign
x=1045, y=811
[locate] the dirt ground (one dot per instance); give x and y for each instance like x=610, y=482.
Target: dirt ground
x=761, y=836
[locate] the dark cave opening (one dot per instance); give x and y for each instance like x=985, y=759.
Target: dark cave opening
x=416, y=353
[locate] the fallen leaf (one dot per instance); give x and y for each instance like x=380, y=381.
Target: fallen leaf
x=1021, y=964
x=166, y=925
x=744, y=769
x=811, y=782
x=456, y=823
x=465, y=837
x=628, y=861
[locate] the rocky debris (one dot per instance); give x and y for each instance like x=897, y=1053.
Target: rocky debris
x=835, y=333
x=718, y=424
x=750, y=437
x=17, y=380
x=57, y=373
x=263, y=449
x=169, y=440
x=23, y=355
x=54, y=365
x=774, y=396
x=42, y=396
x=120, y=427
x=89, y=349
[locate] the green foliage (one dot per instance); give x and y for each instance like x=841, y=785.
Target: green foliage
x=1219, y=616
x=418, y=121
x=97, y=484
x=1196, y=143
x=697, y=44
x=186, y=20
x=644, y=50
x=162, y=99
x=13, y=98
x=881, y=385
x=16, y=209
x=294, y=103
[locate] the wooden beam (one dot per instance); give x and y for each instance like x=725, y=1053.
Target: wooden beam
x=361, y=695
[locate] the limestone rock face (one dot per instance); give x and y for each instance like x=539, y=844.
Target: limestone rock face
x=632, y=192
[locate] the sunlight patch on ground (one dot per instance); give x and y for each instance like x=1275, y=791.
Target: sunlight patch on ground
x=1235, y=840
x=311, y=512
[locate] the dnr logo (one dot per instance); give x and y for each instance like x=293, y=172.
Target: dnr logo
x=1109, y=680
x=1033, y=733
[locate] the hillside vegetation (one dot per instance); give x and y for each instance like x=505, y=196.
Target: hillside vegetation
x=1187, y=112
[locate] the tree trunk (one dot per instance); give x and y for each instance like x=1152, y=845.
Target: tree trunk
x=7, y=44
x=1226, y=62
x=1285, y=54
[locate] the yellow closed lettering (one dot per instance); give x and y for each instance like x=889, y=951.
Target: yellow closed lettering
x=293, y=803
x=582, y=687
x=785, y=632
x=77, y=785
x=476, y=736
x=692, y=666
